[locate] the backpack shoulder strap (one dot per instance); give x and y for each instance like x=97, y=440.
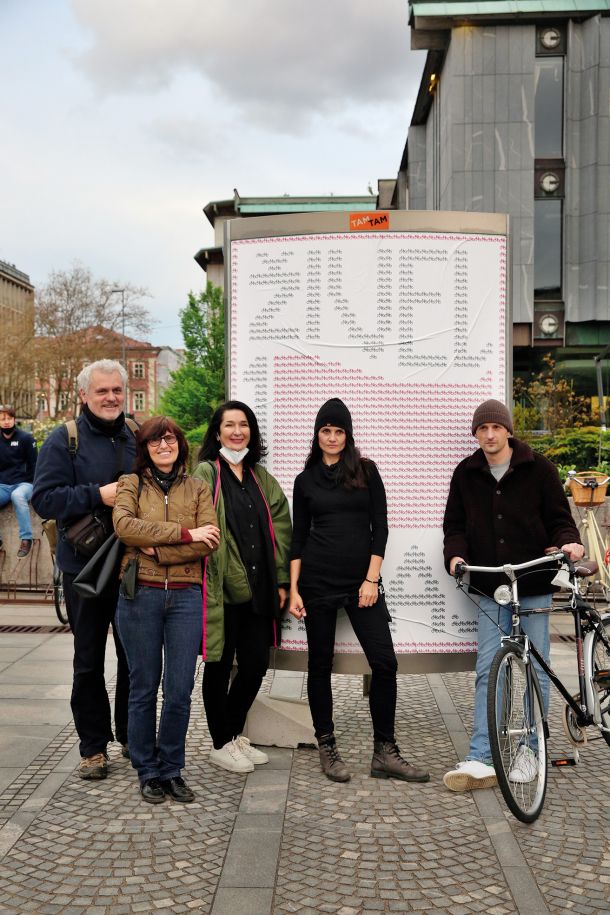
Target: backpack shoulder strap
x=72, y=430
x=131, y=424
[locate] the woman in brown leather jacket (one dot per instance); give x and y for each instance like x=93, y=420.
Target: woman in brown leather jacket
x=168, y=523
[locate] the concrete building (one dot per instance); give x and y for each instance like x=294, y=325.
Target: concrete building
x=219, y=211
x=17, y=323
x=513, y=116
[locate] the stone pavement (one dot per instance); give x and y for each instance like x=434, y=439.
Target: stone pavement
x=283, y=839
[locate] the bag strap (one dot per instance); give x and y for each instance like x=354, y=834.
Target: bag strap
x=72, y=431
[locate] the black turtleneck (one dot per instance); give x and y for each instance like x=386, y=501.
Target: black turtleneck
x=111, y=428
x=336, y=530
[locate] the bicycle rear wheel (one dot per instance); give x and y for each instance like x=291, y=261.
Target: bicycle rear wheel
x=601, y=676
x=517, y=733
x=59, y=598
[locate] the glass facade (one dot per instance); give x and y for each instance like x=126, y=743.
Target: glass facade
x=549, y=107
x=548, y=261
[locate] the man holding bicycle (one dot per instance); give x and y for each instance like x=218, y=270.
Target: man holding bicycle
x=506, y=504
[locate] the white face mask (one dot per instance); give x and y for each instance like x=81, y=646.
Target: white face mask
x=233, y=457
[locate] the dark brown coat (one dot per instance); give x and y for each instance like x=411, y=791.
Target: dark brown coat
x=514, y=520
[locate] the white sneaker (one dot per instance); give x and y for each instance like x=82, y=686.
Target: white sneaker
x=525, y=766
x=231, y=758
x=255, y=756
x=470, y=774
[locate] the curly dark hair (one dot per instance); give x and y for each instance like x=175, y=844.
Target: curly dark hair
x=210, y=447
x=156, y=427
x=352, y=472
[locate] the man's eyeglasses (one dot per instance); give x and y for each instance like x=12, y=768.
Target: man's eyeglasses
x=169, y=439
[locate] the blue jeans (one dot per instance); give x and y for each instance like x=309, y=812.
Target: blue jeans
x=160, y=632
x=536, y=627
x=19, y=494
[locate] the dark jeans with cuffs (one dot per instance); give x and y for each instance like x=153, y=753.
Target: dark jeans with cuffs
x=370, y=625
x=89, y=619
x=247, y=639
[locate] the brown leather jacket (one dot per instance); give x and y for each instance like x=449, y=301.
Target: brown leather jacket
x=154, y=520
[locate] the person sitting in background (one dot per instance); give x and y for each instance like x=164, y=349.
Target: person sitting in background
x=17, y=465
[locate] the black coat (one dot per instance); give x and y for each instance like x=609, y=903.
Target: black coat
x=490, y=523
x=67, y=488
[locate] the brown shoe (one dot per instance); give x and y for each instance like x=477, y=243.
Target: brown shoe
x=95, y=766
x=24, y=548
x=333, y=766
x=388, y=763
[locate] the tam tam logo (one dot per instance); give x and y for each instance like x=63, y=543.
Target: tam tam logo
x=367, y=222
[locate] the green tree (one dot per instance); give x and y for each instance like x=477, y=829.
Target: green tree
x=546, y=401
x=198, y=386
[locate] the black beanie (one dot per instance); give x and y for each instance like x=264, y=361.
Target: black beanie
x=492, y=411
x=334, y=413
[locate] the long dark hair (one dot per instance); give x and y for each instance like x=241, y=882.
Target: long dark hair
x=156, y=427
x=211, y=446
x=352, y=472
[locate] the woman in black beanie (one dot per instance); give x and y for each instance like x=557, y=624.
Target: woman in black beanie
x=340, y=530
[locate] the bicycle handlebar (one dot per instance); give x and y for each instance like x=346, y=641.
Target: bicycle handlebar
x=556, y=556
x=589, y=483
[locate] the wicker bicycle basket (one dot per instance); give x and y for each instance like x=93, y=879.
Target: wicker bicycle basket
x=588, y=495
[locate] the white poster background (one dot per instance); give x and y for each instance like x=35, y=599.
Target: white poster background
x=408, y=328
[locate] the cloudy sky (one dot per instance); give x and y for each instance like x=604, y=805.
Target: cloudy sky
x=121, y=119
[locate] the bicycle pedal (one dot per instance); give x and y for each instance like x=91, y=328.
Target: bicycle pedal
x=602, y=678
x=561, y=761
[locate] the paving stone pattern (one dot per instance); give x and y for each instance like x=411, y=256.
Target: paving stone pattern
x=366, y=846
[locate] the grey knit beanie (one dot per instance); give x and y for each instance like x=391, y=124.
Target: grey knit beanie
x=492, y=411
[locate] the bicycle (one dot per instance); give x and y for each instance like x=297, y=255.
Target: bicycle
x=59, y=598
x=517, y=720
x=589, y=491
x=57, y=582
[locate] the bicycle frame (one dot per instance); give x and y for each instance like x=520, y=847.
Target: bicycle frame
x=586, y=708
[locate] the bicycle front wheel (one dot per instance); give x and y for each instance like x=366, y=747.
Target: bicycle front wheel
x=59, y=598
x=601, y=676
x=517, y=735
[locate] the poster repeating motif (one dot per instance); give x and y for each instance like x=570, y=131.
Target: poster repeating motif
x=408, y=328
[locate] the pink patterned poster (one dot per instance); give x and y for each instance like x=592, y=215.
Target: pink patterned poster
x=409, y=329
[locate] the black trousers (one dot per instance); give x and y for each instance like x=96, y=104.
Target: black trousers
x=247, y=639
x=373, y=632
x=89, y=619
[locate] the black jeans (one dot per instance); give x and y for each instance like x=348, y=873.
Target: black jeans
x=373, y=632
x=89, y=619
x=247, y=638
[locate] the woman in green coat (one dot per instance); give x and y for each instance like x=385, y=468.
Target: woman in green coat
x=246, y=580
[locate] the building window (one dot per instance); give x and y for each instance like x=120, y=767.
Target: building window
x=42, y=404
x=549, y=107
x=138, y=370
x=138, y=401
x=547, y=245
x=64, y=402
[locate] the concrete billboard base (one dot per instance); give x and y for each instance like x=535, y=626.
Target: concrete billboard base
x=279, y=722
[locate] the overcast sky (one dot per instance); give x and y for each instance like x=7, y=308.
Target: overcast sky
x=121, y=119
